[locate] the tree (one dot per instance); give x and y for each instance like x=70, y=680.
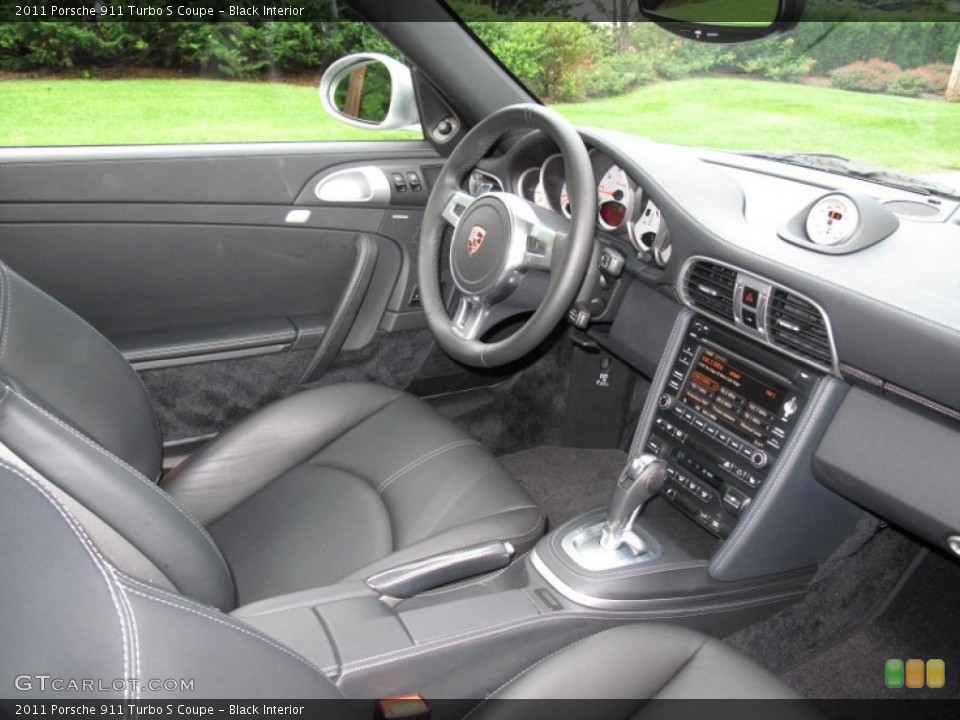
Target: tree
x=529, y=8
x=620, y=13
x=953, y=87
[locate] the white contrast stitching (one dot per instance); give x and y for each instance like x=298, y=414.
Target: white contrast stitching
x=129, y=468
x=423, y=459
x=4, y=307
x=99, y=562
x=207, y=615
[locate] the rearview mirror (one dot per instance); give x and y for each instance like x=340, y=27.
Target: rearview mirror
x=372, y=91
x=723, y=21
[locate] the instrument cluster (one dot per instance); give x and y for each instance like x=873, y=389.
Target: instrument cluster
x=622, y=207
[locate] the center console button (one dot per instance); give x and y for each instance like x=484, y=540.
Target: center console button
x=665, y=401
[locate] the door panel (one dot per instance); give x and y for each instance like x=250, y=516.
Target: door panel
x=215, y=269
x=204, y=246
x=218, y=269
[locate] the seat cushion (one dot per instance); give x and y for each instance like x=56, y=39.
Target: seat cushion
x=338, y=482
x=637, y=663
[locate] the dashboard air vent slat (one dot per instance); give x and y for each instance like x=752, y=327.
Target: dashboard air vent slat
x=711, y=287
x=796, y=325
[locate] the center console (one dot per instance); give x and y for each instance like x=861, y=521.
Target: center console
x=715, y=523
x=723, y=419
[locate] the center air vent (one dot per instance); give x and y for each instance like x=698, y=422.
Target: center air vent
x=799, y=327
x=710, y=287
x=763, y=310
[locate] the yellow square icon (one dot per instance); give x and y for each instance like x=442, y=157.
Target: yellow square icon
x=915, y=673
x=936, y=673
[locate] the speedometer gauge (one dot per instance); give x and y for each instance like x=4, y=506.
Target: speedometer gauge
x=613, y=198
x=833, y=220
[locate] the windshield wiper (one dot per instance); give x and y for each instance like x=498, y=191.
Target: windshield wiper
x=840, y=165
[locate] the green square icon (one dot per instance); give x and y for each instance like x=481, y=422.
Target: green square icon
x=893, y=672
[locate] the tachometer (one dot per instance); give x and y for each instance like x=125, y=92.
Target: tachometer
x=531, y=188
x=613, y=198
x=565, y=202
x=833, y=220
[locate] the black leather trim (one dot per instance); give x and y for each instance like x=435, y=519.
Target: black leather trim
x=347, y=310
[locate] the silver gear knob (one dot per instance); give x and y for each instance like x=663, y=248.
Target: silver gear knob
x=640, y=480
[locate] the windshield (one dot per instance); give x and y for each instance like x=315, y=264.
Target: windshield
x=875, y=92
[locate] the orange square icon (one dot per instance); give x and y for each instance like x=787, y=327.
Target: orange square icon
x=936, y=673
x=915, y=672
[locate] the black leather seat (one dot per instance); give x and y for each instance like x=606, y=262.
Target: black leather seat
x=69, y=612
x=329, y=484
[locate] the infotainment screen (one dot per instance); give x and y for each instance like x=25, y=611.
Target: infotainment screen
x=731, y=396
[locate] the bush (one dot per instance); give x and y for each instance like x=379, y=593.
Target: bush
x=614, y=75
x=908, y=84
x=776, y=60
x=936, y=76
x=548, y=57
x=874, y=76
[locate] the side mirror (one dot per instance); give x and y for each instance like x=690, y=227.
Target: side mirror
x=371, y=91
x=723, y=21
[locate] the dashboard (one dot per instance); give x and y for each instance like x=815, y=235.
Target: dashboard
x=835, y=276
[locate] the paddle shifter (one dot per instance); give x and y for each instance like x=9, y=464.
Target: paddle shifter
x=640, y=480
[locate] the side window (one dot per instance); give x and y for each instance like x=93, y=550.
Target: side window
x=112, y=79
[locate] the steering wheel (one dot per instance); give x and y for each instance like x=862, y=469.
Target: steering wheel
x=508, y=255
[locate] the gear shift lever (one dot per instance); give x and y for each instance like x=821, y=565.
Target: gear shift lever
x=641, y=480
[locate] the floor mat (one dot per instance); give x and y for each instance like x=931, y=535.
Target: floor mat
x=920, y=622
x=528, y=411
x=566, y=482
x=838, y=603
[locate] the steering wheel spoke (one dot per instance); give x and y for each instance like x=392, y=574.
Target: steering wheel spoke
x=472, y=318
x=540, y=249
x=456, y=206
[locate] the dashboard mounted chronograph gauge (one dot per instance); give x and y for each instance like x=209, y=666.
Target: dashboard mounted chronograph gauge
x=832, y=220
x=840, y=223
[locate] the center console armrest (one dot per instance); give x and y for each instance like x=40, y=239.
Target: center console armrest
x=432, y=572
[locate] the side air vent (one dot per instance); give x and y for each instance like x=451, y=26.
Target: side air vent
x=797, y=326
x=710, y=288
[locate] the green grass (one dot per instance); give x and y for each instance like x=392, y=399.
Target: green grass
x=907, y=134
x=118, y=112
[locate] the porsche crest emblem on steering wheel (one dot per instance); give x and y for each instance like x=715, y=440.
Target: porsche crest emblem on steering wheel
x=475, y=240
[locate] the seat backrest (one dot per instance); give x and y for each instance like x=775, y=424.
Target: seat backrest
x=73, y=410
x=69, y=614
